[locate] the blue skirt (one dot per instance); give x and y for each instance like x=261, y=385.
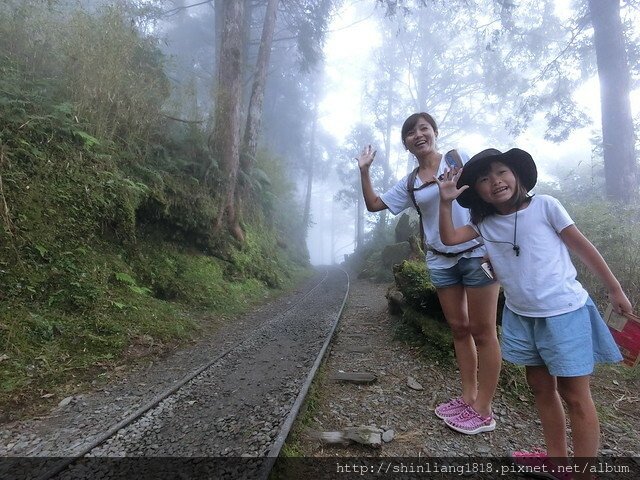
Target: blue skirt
x=569, y=344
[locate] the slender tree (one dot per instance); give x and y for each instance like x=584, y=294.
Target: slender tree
x=306, y=215
x=618, y=140
x=528, y=61
x=225, y=141
x=554, y=52
x=346, y=168
x=254, y=115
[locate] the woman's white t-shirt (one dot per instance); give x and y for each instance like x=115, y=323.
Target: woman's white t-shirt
x=541, y=280
x=398, y=199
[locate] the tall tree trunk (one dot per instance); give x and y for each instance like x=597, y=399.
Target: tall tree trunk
x=359, y=222
x=218, y=30
x=226, y=133
x=306, y=214
x=618, y=140
x=254, y=116
x=387, y=145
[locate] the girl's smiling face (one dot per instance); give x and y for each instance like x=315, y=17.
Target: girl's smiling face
x=498, y=186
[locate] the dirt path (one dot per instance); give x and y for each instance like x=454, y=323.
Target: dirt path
x=391, y=405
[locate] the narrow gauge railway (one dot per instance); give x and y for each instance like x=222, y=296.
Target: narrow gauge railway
x=227, y=419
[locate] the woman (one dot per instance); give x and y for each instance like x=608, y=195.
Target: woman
x=467, y=295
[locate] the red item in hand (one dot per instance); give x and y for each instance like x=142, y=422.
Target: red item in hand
x=625, y=329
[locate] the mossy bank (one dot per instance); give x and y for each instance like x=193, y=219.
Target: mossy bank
x=109, y=242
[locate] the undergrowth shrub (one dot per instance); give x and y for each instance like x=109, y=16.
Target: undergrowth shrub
x=367, y=258
x=107, y=225
x=274, y=191
x=615, y=231
x=412, y=279
x=428, y=332
x=28, y=29
x=114, y=75
x=179, y=208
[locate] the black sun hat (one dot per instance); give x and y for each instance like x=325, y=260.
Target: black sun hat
x=517, y=160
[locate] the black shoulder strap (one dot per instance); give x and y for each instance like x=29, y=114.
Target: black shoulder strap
x=411, y=182
x=452, y=157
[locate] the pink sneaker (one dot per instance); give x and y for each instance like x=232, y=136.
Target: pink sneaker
x=471, y=422
x=450, y=409
x=538, y=464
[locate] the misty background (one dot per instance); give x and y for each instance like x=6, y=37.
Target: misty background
x=166, y=165
x=313, y=81
x=557, y=119
x=493, y=73
x=343, y=74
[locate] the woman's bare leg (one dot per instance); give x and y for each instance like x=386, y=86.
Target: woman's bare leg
x=482, y=307
x=454, y=306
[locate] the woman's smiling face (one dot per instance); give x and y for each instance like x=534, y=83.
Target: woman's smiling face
x=421, y=138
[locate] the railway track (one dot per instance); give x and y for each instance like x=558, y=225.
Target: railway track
x=228, y=418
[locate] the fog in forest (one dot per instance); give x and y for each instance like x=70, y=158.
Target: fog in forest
x=171, y=172
x=492, y=73
x=355, y=66
x=557, y=78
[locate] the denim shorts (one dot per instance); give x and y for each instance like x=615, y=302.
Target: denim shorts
x=568, y=345
x=466, y=272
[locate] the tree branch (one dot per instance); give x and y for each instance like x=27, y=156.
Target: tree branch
x=182, y=120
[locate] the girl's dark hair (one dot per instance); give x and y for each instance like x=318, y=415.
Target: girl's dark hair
x=411, y=121
x=479, y=209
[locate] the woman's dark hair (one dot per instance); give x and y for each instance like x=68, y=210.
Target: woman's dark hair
x=411, y=121
x=479, y=209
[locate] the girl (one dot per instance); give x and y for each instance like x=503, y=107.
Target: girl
x=549, y=323
x=467, y=296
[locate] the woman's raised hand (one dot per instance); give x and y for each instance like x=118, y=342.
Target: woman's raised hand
x=447, y=183
x=365, y=159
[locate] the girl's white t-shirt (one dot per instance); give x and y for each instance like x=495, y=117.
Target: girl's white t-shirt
x=541, y=281
x=397, y=199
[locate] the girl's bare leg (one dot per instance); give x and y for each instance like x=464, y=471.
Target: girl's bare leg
x=550, y=410
x=585, y=427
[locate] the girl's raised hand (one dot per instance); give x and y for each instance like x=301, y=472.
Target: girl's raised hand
x=447, y=183
x=365, y=159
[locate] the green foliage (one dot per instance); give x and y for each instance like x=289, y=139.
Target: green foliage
x=423, y=322
x=304, y=421
x=412, y=279
x=614, y=229
x=513, y=383
x=373, y=267
x=114, y=75
x=279, y=212
x=131, y=283
x=107, y=223
x=367, y=258
x=429, y=332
